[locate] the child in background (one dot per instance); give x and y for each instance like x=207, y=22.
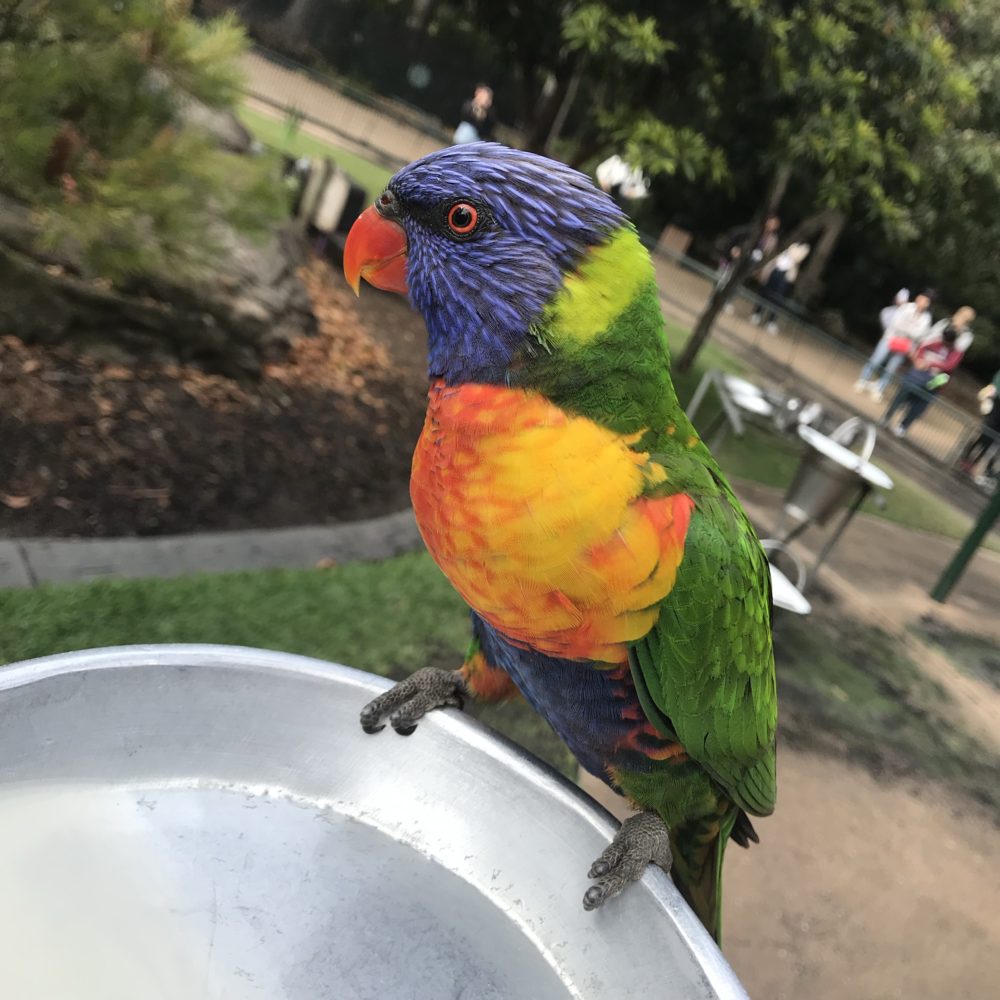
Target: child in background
x=933, y=363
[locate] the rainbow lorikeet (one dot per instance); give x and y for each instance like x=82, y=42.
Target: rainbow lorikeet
x=613, y=577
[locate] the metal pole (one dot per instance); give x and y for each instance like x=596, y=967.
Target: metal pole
x=847, y=518
x=954, y=570
x=699, y=395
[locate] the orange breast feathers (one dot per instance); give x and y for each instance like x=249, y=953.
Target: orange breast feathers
x=542, y=522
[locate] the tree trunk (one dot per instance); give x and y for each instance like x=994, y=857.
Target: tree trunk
x=724, y=291
x=540, y=109
x=300, y=20
x=568, y=97
x=810, y=280
x=721, y=294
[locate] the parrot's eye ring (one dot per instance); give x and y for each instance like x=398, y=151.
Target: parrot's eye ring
x=463, y=218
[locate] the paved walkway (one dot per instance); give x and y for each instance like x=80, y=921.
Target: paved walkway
x=361, y=127
x=30, y=562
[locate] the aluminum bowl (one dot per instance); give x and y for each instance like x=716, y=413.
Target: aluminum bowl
x=202, y=822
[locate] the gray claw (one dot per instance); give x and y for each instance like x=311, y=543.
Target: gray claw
x=410, y=700
x=642, y=840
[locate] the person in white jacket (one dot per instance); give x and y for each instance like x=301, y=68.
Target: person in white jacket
x=886, y=315
x=910, y=323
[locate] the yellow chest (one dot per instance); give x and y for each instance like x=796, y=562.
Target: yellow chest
x=543, y=520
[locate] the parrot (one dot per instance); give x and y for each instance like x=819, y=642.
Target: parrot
x=613, y=578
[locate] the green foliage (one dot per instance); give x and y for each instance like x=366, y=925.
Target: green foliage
x=623, y=56
x=953, y=223
x=956, y=201
x=92, y=99
x=655, y=147
x=594, y=29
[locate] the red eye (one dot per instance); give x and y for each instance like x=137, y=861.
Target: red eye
x=462, y=218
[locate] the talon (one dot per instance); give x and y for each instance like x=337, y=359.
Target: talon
x=642, y=840
x=410, y=700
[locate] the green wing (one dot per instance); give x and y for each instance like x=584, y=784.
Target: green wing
x=705, y=672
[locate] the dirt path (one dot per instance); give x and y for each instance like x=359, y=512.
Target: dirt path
x=861, y=890
x=881, y=574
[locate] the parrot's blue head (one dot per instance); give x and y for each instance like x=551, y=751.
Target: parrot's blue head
x=481, y=236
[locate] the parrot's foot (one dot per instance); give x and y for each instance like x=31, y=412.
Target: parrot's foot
x=410, y=700
x=642, y=840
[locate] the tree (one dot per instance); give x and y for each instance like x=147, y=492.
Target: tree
x=92, y=100
x=625, y=56
x=956, y=210
x=846, y=95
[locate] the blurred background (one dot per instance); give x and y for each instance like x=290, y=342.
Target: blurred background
x=204, y=436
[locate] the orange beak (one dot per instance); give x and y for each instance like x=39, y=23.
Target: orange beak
x=376, y=251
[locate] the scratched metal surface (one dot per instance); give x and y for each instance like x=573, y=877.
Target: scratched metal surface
x=188, y=822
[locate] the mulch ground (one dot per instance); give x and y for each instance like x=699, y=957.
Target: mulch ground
x=95, y=450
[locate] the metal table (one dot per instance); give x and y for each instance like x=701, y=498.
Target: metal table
x=866, y=476
x=211, y=822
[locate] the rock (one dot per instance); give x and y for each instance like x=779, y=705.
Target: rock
x=250, y=310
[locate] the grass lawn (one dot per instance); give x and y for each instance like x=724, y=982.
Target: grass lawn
x=376, y=616
x=273, y=132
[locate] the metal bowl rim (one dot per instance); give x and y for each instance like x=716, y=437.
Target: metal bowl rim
x=501, y=750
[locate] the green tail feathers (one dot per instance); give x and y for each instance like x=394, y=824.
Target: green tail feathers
x=698, y=849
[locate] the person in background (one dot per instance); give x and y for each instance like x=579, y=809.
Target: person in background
x=779, y=281
x=909, y=324
x=989, y=434
x=886, y=315
x=962, y=321
x=620, y=180
x=933, y=362
x=730, y=247
x=477, y=120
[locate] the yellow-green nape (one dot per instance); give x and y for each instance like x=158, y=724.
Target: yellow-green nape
x=608, y=278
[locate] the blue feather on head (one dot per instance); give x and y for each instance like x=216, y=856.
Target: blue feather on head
x=479, y=292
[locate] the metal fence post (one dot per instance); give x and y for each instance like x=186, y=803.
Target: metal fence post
x=954, y=570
